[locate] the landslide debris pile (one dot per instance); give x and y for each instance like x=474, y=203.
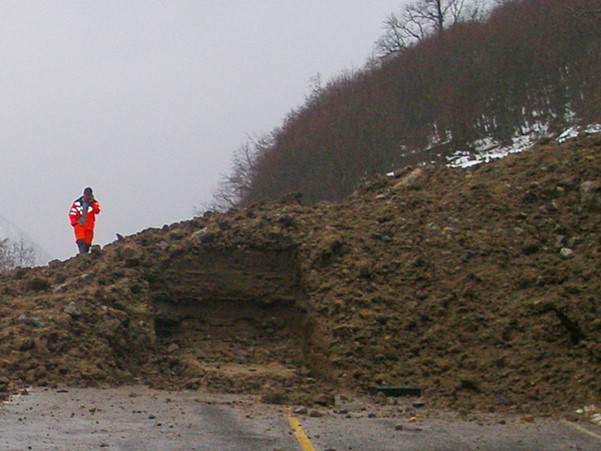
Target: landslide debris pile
x=481, y=286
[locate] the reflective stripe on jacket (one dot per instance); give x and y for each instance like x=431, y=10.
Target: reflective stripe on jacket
x=77, y=215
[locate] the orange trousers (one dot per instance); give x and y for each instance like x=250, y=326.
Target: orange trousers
x=83, y=233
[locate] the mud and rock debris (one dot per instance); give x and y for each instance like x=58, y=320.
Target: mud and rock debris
x=455, y=281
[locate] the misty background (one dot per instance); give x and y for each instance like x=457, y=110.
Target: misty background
x=146, y=101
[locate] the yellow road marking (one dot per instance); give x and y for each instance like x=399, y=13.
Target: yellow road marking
x=583, y=429
x=300, y=435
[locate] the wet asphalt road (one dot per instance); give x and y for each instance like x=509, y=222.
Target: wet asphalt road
x=137, y=418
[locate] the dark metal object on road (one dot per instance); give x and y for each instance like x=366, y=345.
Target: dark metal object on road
x=396, y=390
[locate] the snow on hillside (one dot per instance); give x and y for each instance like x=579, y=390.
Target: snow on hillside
x=486, y=150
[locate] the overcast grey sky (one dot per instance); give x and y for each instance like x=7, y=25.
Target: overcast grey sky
x=146, y=100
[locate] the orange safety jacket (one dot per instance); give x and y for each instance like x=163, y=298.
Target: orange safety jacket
x=83, y=222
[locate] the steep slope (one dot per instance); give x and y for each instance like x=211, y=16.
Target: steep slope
x=470, y=88
x=479, y=286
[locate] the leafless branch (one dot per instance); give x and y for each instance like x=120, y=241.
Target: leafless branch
x=423, y=18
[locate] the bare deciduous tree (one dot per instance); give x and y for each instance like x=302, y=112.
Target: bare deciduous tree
x=423, y=18
x=16, y=254
x=234, y=188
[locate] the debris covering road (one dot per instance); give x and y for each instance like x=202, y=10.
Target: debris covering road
x=136, y=418
x=480, y=287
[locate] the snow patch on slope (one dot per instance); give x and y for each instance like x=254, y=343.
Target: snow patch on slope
x=487, y=149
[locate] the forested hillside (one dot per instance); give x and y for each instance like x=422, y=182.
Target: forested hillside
x=531, y=66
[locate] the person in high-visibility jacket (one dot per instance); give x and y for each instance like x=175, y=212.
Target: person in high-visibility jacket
x=83, y=217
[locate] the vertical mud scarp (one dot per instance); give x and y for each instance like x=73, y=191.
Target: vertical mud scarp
x=231, y=311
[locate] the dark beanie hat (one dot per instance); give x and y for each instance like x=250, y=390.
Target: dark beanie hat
x=88, y=190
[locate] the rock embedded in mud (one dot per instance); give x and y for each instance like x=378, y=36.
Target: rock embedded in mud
x=72, y=310
x=203, y=236
x=26, y=344
x=566, y=253
x=274, y=396
x=324, y=399
x=31, y=320
x=131, y=255
x=590, y=194
x=416, y=179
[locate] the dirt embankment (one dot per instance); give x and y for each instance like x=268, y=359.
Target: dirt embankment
x=481, y=287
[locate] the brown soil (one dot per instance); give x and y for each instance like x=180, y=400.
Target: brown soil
x=482, y=287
